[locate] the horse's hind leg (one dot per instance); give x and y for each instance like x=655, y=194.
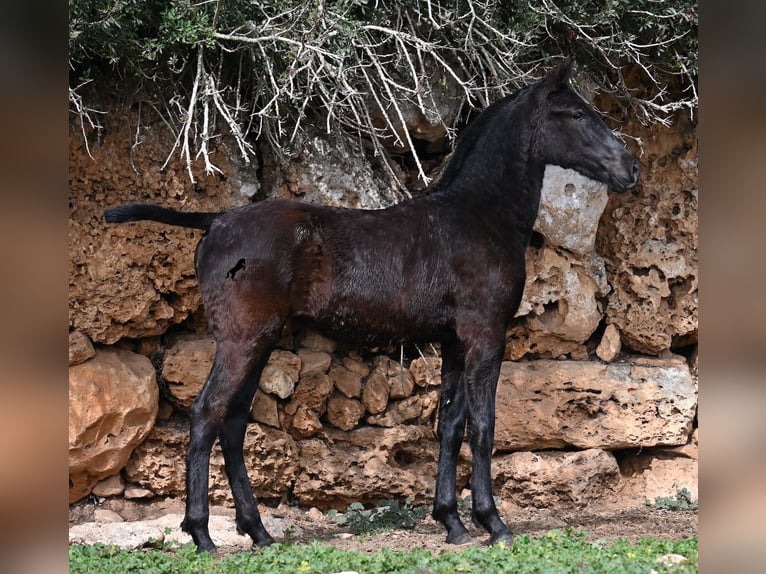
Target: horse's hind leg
x=452, y=414
x=232, y=443
x=227, y=388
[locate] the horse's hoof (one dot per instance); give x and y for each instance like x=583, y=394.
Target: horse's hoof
x=502, y=537
x=459, y=539
x=211, y=550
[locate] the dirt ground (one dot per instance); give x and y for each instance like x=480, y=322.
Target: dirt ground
x=608, y=523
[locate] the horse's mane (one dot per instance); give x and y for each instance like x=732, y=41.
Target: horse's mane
x=475, y=132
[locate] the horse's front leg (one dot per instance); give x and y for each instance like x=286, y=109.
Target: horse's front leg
x=452, y=412
x=482, y=370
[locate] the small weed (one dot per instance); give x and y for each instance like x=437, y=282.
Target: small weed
x=681, y=501
x=389, y=515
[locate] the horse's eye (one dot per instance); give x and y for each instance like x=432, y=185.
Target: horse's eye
x=578, y=114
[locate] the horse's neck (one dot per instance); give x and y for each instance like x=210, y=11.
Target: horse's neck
x=503, y=191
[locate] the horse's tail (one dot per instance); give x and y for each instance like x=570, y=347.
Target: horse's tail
x=148, y=211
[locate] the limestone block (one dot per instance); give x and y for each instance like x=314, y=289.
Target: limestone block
x=158, y=465
x=556, y=404
x=186, y=365
x=367, y=464
x=80, y=348
x=552, y=479
x=265, y=409
x=375, y=393
x=314, y=362
x=610, y=345
x=281, y=373
x=560, y=307
x=426, y=371
x=570, y=209
x=343, y=412
x=113, y=402
x=346, y=381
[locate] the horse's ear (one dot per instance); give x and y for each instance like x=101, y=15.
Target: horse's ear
x=559, y=78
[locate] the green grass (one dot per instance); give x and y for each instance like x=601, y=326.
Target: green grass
x=557, y=552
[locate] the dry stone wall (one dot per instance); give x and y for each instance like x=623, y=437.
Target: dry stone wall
x=592, y=402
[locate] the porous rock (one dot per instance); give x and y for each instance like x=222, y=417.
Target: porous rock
x=344, y=412
x=555, y=479
x=367, y=464
x=610, y=344
x=650, y=241
x=271, y=459
x=113, y=401
x=80, y=348
x=560, y=307
x=186, y=365
x=588, y=404
x=281, y=373
x=135, y=279
x=570, y=209
x=426, y=371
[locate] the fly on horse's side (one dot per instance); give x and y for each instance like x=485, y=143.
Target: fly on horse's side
x=447, y=266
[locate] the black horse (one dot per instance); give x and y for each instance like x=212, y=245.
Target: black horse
x=447, y=266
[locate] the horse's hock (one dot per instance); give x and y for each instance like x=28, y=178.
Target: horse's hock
x=333, y=426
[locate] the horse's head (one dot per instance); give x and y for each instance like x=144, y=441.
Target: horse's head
x=573, y=135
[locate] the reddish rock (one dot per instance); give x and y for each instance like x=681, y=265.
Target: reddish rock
x=186, y=365
x=271, y=459
x=554, y=479
x=113, y=402
x=375, y=393
x=343, y=412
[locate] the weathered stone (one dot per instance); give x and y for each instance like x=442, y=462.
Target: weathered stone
x=106, y=516
x=110, y=486
x=560, y=306
x=135, y=280
x=330, y=170
x=312, y=392
x=276, y=382
x=265, y=409
x=303, y=423
x=554, y=479
x=426, y=371
x=80, y=348
x=415, y=408
x=281, y=373
x=661, y=473
x=570, y=209
x=650, y=240
x=610, y=345
x=314, y=341
x=367, y=464
x=375, y=393
x=136, y=492
x=113, y=400
x=157, y=465
x=186, y=365
x=343, y=412
x=356, y=365
x=555, y=404
x=400, y=381
x=314, y=362
x=346, y=381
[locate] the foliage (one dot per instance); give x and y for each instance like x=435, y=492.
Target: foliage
x=389, y=515
x=271, y=67
x=681, y=501
x=557, y=552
